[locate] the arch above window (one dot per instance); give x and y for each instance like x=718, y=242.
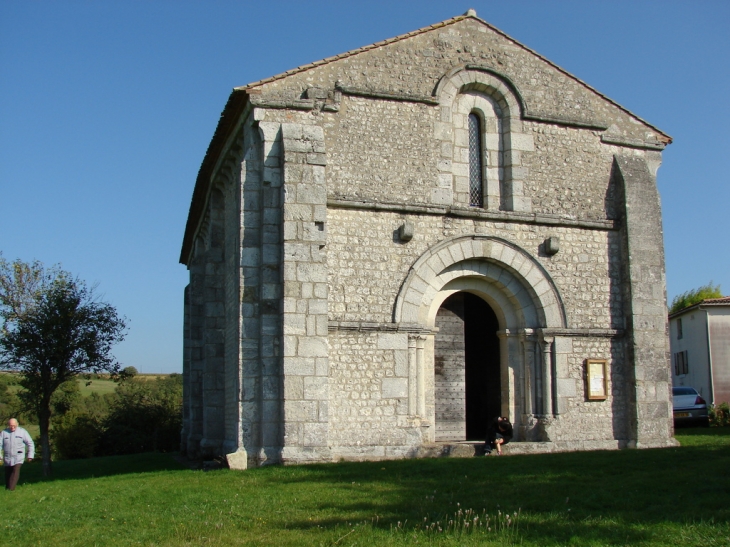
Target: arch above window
x=461, y=94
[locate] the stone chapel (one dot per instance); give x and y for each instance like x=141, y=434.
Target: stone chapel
x=390, y=247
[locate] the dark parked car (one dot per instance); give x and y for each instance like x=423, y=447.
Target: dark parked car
x=689, y=407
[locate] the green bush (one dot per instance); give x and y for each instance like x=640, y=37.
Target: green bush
x=140, y=416
x=719, y=415
x=144, y=416
x=10, y=405
x=75, y=436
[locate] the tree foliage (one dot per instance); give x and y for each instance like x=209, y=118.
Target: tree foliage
x=140, y=416
x=53, y=329
x=21, y=287
x=145, y=416
x=695, y=296
x=127, y=373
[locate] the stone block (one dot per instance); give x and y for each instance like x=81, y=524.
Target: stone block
x=567, y=387
x=395, y=340
x=299, y=366
x=442, y=196
x=291, y=131
x=315, y=273
x=294, y=387
x=311, y=346
x=394, y=388
x=312, y=133
x=316, y=159
x=401, y=363
x=321, y=366
x=316, y=388
x=317, y=306
x=300, y=411
x=314, y=434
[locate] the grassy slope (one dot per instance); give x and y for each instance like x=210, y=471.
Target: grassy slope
x=100, y=385
x=638, y=497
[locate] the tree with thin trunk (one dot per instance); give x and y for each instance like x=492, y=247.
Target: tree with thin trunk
x=53, y=328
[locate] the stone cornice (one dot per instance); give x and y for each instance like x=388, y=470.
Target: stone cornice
x=294, y=104
x=567, y=122
x=373, y=94
x=370, y=326
x=582, y=333
x=414, y=328
x=632, y=143
x=497, y=216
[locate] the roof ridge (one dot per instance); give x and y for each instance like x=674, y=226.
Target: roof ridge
x=471, y=14
x=721, y=300
x=357, y=51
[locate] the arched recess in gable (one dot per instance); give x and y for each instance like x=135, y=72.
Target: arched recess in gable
x=497, y=103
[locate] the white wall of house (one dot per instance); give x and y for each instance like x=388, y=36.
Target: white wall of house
x=720, y=352
x=694, y=340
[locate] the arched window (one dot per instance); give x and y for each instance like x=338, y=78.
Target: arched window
x=476, y=173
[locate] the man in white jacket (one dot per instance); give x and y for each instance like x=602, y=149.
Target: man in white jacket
x=14, y=441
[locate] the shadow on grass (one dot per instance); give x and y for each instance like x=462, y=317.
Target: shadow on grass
x=101, y=467
x=611, y=497
x=628, y=497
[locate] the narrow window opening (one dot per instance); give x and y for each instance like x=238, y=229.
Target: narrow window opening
x=476, y=186
x=681, y=363
x=679, y=328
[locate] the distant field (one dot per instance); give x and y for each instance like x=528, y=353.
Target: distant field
x=96, y=385
x=100, y=385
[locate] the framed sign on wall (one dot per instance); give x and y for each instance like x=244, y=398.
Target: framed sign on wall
x=596, y=379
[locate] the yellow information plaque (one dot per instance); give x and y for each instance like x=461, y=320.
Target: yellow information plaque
x=596, y=379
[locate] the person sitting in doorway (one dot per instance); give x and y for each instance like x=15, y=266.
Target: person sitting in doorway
x=499, y=433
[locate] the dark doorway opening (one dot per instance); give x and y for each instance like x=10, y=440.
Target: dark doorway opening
x=481, y=360
x=467, y=368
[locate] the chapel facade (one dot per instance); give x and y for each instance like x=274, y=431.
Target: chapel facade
x=390, y=247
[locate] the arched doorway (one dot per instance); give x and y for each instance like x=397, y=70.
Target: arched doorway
x=466, y=368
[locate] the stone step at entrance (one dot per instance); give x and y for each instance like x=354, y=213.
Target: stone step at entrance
x=470, y=449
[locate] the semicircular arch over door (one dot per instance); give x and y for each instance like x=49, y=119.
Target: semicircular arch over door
x=490, y=288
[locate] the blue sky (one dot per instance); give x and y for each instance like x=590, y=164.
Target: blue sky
x=107, y=108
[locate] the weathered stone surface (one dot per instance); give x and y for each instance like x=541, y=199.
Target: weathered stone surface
x=310, y=317
x=237, y=460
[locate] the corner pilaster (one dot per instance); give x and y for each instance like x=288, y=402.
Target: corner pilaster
x=306, y=350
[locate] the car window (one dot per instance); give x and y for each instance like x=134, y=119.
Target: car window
x=683, y=391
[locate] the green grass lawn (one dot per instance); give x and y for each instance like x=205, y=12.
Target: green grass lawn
x=674, y=496
x=101, y=386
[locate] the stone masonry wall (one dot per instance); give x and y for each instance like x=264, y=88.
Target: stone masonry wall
x=415, y=65
x=591, y=420
x=305, y=352
x=376, y=151
x=366, y=263
x=295, y=354
x=368, y=379
x=381, y=150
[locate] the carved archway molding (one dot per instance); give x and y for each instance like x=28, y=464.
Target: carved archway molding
x=505, y=275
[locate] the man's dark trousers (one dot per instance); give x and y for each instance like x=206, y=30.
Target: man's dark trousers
x=12, y=474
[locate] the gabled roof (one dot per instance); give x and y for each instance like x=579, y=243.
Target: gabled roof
x=724, y=301
x=470, y=14
x=239, y=99
x=708, y=302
